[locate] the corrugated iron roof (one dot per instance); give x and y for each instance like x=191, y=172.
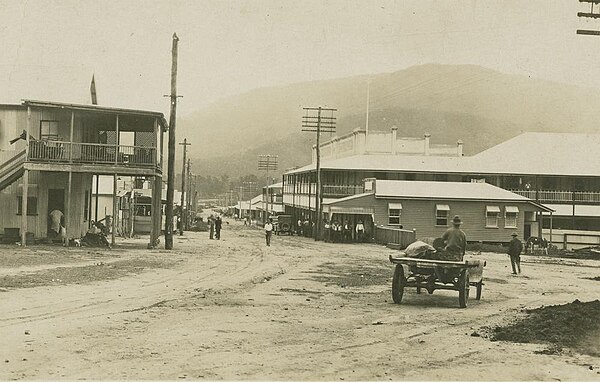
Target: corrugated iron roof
x=448, y=190
x=528, y=153
x=96, y=108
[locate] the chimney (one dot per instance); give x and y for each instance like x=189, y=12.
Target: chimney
x=394, y=142
x=427, y=137
x=459, y=148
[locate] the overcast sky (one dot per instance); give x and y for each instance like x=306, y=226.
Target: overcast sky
x=49, y=49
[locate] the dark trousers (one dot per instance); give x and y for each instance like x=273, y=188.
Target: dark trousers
x=268, y=237
x=218, y=233
x=212, y=232
x=515, y=262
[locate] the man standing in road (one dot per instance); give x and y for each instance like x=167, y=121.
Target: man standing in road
x=455, y=240
x=515, y=247
x=218, y=226
x=268, y=231
x=211, y=227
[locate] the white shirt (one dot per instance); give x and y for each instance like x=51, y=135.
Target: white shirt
x=360, y=227
x=55, y=218
x=268, y=227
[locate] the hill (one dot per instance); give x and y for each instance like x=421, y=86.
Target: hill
x=478, y=105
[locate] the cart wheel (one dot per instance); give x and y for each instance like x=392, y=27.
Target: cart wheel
x=479, y=288
x=398, y=284
x=463, y=289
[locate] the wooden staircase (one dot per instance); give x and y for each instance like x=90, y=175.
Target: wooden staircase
x=12, y=169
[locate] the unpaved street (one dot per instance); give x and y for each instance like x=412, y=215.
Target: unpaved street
x=236, y=309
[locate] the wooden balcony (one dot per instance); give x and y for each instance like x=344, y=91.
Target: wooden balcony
x=553, y=196
x=329, y=190
x=92, y=154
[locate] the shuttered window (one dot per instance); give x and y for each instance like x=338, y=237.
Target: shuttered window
x=511, y=214
x=394, y=213
x=491, y=216
x=442, y=211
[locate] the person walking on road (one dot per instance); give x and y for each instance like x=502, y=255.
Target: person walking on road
x=211, y=227
x=268, y=231
x=218, y=226
x=515, y=247
x=455, y=240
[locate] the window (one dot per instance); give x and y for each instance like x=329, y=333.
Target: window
x=491, y=216
x=441, y=214
x=31, y=205
x=49, y=130
x=511, y=213
x=86, y=205
x=394, y=212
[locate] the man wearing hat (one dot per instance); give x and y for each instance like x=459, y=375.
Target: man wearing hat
x=455, y=240
x=515, y=247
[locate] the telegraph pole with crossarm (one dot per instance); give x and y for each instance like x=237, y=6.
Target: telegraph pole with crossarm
x=182, y=213
x=267, y=162
x=318, y=120
x=171, y=147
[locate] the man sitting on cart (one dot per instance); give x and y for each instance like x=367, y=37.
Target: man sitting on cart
x=455, y=241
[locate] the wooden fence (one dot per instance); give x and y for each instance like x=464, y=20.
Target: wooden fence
x=400, y=237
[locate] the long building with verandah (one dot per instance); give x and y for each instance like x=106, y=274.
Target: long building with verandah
x=558, y=170
x=489, y=213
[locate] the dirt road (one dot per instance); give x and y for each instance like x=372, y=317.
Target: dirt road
x=236, y=309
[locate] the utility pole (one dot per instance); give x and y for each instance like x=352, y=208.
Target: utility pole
x=267, y=162
x=592, y=14
x=171, y=148
x=315, y=121
x=182, y=213
x=189, y=194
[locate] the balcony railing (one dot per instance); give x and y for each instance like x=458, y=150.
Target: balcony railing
x=329, y=190
x=342, y=190
x=561, y=196
x=91, y=153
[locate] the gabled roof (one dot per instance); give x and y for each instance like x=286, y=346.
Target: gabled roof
x=528, y=153
x=544, y=154
x=448, y=191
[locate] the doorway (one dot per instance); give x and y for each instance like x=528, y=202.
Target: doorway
x=56, y=201
x=527, y=231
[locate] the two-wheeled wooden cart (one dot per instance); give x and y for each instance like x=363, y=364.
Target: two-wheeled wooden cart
x=437, y=274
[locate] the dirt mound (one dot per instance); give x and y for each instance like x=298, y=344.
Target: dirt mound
x=574, y=325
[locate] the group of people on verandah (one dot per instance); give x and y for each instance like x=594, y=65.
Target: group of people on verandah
x=336, y=232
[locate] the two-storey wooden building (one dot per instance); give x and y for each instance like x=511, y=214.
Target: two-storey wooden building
x=559, y=170
x=50, y=151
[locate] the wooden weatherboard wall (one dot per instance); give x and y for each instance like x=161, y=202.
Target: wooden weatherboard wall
x=421, y=215
x=39, y=184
